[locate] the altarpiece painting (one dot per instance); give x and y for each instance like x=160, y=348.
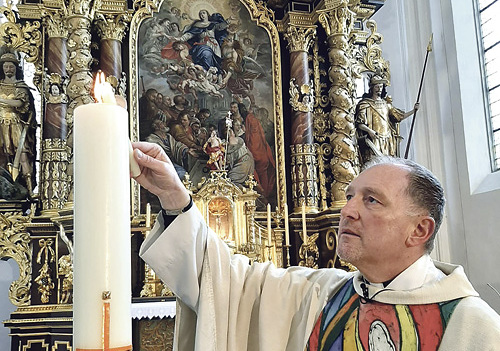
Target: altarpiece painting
x=207, y=95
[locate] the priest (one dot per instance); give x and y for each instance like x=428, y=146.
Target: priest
x=398, y=299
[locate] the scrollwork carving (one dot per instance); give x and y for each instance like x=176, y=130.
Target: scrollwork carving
x=25, y=38
x=301, y=98
x=15, y=244
x=368, y=56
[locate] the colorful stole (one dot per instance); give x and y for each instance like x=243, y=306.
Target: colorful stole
x=349, y=322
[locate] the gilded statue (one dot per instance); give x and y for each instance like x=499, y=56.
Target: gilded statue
x=17, y=122
x=377, y=121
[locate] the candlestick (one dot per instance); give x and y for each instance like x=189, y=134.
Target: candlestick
x=148, y=215
x=101, y=227
x=269, y=237
x=304, y=229
x=287, y=230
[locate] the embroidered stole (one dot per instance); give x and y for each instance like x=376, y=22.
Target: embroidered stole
x=349, y=322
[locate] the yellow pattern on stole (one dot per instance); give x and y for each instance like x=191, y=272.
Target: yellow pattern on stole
x=351, y=333
x=409, y=337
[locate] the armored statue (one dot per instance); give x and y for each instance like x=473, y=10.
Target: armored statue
x=377, y=122
x=17, y=122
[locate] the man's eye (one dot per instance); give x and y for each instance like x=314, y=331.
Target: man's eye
x=348, y=197
x=372, y=200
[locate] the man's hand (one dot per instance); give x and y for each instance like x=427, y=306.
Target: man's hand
x=158, y=175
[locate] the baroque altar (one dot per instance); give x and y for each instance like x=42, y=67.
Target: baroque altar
x=306, y=66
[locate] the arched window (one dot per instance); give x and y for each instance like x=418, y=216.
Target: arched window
x=488, y=14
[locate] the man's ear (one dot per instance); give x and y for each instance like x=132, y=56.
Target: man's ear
x=422, y=232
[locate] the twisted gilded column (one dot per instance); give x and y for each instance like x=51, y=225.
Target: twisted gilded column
x=55, y=181
x=78, y=67
x=304, y=175
x=337, y=20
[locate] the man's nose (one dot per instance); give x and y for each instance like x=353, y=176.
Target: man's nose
x=350, y=209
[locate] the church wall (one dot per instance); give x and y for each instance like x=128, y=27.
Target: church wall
x=450, y=133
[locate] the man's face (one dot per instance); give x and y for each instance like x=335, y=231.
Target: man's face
x=234, y=109
x=159, y=98
x=185, y=121
x=9, y=69
x=375, y=222
x=377, y=89
x=195, y=127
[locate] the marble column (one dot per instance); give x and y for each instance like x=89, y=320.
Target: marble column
x=337, y=20
x=111, y=30
x=304, y=174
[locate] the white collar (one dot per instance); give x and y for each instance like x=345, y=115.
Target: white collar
x=420, y=272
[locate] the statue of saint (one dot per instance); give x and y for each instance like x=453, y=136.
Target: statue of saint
x=377, y=122
x=17, y=122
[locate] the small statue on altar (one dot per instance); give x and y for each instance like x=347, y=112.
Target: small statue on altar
x=17, y=122
x=377, y=121
x=214, y=148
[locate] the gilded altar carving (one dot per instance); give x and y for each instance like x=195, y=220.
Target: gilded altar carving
x=25, y=38
x=337, y=22
x=320, y=100
x=45, y=256
x=367, y=57
x=300, y=38
x=304, y=175
x=15, y=244
x=112, y=26
x=65, y=272
x=308, y=251
x=156, y=334
x=55, y=23
x=55, y=88
x=301, y=98
x=56, y=187
x=324, y=152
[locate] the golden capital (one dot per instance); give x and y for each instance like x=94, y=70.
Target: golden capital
x=55, y=23
x=300, y=38
x=337, y=20
x=112, y=26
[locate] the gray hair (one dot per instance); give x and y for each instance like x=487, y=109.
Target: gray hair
x=424, y=189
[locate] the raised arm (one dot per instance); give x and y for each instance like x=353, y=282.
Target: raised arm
x=158, y=176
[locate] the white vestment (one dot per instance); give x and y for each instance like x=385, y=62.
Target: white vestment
x=224, y=303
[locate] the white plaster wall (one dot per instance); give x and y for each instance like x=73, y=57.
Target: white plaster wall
x=450, y=132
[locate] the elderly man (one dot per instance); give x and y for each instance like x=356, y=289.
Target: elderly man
x=398, y=300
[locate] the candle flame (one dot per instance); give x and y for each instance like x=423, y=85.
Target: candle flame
x=103, y=91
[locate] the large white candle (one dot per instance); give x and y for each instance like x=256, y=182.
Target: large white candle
x=269, y=236
x=101, y=227
x=287, y=230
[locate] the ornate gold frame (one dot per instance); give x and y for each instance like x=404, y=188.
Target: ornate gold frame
x=264, y=18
